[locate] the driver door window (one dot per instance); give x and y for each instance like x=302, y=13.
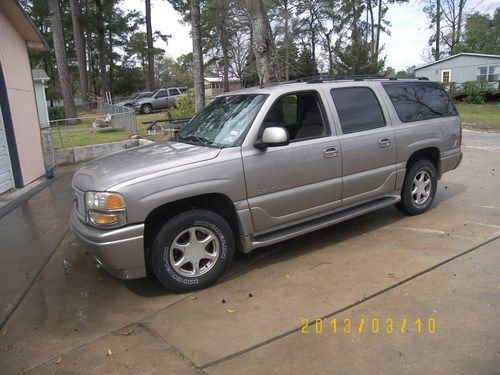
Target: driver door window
x=300, y=114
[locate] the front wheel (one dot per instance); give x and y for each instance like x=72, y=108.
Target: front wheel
x=146, y=108
x=192, y=250
x=419, y=188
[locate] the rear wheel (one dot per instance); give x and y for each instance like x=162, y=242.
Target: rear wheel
x=146, y=108
x=419, y=188
x=192, y=250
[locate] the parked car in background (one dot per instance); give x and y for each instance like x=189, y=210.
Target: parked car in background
x=262, y=165
x=130, y=102
x=161, y=99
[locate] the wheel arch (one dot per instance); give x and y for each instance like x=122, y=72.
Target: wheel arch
x=215, y=202
x=430, y=153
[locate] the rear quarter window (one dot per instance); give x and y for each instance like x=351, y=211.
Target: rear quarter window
x=416, y=101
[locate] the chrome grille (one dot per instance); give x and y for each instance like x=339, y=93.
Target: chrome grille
x=79, y=201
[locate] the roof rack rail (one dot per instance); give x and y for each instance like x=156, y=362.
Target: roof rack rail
x=330, y=78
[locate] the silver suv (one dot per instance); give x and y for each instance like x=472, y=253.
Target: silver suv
x=260, y=166
x=161, y=99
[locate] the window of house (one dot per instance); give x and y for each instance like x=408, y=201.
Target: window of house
x=445, y=76
x=358, y=109
x=300, y=114
x=488, y=73
x=415, y=101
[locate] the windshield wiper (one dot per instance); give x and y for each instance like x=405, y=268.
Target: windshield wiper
x=193, y=137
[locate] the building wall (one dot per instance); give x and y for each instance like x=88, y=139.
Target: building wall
x=463, y=68
x=216, y=88
x=20, y=92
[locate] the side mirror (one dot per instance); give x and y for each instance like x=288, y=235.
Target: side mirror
x=273, y=137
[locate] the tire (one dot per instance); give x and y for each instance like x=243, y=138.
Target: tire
x=419, y=188
x=146, y=108
x=174, y=253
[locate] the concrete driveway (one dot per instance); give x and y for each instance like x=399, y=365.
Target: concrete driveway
x=382, y=293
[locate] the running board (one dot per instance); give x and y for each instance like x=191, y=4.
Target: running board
x=294, y=230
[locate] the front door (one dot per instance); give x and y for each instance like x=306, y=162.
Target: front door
x=291, y=183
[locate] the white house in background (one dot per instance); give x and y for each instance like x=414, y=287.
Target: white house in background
x=21, y=154
x=215, y=86
x=461, y=68
x=40, y=79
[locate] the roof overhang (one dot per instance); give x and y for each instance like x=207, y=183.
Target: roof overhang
x=457, y=55
x=24, y=25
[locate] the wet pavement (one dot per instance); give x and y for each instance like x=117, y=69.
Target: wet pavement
x=441, y=267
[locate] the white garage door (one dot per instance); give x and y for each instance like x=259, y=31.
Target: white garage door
x=6, y=179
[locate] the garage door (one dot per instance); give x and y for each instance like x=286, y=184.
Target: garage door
x=6, y=179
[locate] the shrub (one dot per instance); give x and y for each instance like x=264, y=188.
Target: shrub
x=473, y=91
x=184, y=106
x=56, y=113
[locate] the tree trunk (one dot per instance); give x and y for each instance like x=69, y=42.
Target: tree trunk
x=372, y=26
x=262, y=44
x=62, y=63
x=379, y=26
x=330, y=51
x=287, y=43
x=101, y=47
x=198, y=77
x=110, y=46
x=224, y=38
x=438, y=28
x=80, y=50
x=151, y=56
x=461, y=6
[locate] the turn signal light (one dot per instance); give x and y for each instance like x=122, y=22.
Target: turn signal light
x=104, y=219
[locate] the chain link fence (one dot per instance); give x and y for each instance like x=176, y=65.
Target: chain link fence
x=108, y=123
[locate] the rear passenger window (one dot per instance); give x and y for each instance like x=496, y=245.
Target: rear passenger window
x=358, y=109
x=415, y=101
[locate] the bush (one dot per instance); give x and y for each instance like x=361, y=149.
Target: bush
x=472, y=91
x=184, y=106
x=56, y=113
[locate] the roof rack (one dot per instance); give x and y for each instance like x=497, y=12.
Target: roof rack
x=329, y=78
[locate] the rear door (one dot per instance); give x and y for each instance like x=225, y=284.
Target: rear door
x=172, y=96
x=367, y=141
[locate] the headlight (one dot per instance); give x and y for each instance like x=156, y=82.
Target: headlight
x=105, y=209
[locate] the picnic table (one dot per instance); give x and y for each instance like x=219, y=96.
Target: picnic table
x=166, y=125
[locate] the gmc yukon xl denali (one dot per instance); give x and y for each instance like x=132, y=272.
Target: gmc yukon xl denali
x=260, y=166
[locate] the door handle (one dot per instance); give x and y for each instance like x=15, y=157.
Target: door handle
x=384, y=142
x=330, y=152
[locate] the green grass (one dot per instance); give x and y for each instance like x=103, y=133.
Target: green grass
x=68, y=136
x=480, y=116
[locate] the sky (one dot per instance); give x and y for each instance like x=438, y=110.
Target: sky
x=404, y=47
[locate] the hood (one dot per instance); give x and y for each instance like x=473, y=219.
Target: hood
x=124, y=102
x=103, y=173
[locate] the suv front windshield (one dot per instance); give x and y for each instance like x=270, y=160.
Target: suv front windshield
x=224, y=121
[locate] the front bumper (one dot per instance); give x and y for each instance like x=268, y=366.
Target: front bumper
x=120, y=251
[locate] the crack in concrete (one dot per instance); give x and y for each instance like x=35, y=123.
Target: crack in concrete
x=345, y=308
